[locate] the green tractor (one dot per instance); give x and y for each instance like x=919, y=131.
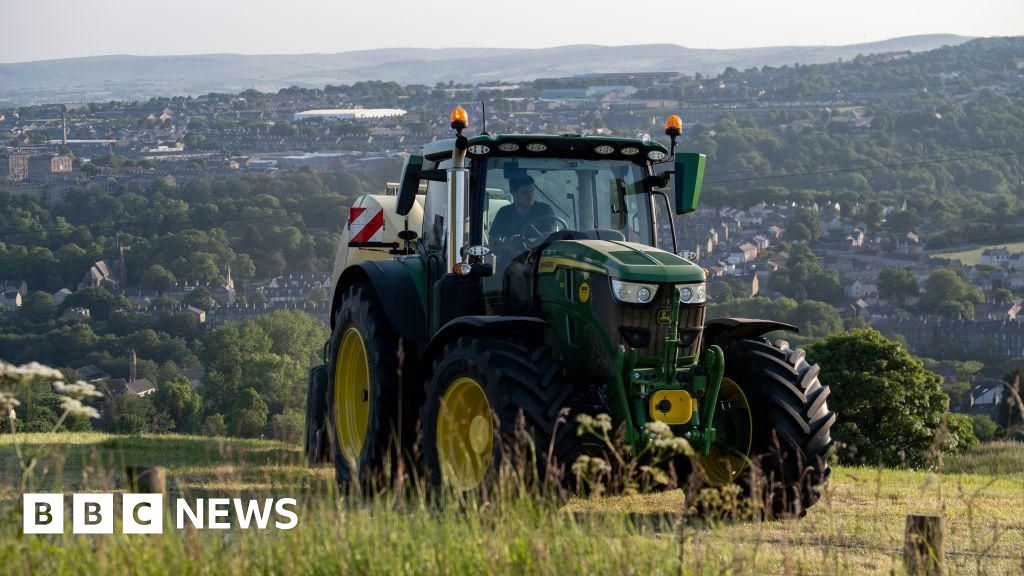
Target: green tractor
x=511, y=279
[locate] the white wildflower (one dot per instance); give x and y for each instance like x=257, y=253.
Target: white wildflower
x=657, y=475
x=603, y=422
x=79, y=389
x=658, y=430
x=8, y=402
x=73, y=407
x=581, y=465
x=34, y=369
x=599, y=466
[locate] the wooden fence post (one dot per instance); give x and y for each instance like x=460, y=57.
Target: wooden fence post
x=924, y=547
x=148, y=479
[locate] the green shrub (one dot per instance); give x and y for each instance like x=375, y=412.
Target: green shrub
x=890, y=409
x=985, y=428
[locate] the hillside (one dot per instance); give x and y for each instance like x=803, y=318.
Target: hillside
x=122, y=77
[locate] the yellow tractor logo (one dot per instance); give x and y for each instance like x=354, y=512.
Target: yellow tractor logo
x=664, y=316
x=584, y=292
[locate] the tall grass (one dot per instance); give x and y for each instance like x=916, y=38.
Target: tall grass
x=855, y=529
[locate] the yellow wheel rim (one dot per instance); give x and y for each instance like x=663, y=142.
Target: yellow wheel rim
x=351, y=395
x=725, y=463
x=465, y=434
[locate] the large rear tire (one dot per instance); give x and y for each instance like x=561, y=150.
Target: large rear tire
x=362, y=387
x=790, y=423
x=476, y=394
x=316, y=416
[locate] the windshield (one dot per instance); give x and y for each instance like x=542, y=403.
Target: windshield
x=527, y=199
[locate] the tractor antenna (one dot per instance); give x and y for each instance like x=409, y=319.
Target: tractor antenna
x=483, y=117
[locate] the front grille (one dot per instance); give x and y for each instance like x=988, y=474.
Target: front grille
x=645, y=317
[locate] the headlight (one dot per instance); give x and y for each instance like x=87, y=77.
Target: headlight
x=693, y=293
x=633, y=293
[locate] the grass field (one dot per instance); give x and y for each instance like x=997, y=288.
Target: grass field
x=856, y=529
x=970, y=257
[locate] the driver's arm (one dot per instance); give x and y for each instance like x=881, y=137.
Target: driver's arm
x=501, y=227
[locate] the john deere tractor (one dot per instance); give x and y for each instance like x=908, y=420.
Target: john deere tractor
x=513, y=278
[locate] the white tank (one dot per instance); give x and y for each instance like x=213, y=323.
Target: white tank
x=393, y=224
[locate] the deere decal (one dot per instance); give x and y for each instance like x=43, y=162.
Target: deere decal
x=584, y=291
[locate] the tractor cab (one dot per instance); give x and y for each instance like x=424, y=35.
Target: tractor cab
x=521, y=194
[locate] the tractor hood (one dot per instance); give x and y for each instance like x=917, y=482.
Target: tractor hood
x=623, y=260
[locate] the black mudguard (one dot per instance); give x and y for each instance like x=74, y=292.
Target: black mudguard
x=507, y=325
x=722, y=330
x=394, y=286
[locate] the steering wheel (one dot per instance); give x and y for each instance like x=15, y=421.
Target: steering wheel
x=533, y=231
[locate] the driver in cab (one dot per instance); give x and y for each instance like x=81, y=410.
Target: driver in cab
x=510, y=220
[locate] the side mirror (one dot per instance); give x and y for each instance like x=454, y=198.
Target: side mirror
x=410, y=184
x=689, y=175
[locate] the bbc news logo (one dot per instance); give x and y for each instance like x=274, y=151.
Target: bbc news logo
x=144, y=513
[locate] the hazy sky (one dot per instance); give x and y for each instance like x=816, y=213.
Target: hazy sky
x=46, y=29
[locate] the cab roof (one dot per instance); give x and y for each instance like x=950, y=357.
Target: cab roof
x=546, y=145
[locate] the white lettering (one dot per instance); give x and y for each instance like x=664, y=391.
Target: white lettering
x=279, y=507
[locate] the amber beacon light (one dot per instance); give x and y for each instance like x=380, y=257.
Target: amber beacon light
x=460, y=120
x=673, y=125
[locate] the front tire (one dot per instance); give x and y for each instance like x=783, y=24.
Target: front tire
x=475, y=395
x=790, y=423
x=362, y=387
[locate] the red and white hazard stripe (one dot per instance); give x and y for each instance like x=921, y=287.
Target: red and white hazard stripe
x=365, y=225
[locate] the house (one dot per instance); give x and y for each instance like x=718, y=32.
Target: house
x=860, y=309
x=743, y=253
x=995, y=256
x=60, y=295
x=139, y=387
x=224, y=294
x=855, y=239
x=92, y=373
x=20, y=287
x=986, y=396
x=761, y=241
x=997, y=311
x=10, y=299
x=861, y=289
x=199, y=315
x=99, y=274
x=775, y=232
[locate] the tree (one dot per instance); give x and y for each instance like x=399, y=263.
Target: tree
x=214, y=426
x=249, y=416
x=890, y=408
x=39, y=307
x=985, y=428
x=949, y=292
x=200, y=298
x=797, y=233
x=816, y=319
x=179, y=402
x=99, y=302
x=897, y=285
x=132, y=415
x=808, y=218
x=158, y=278
x=1002, y=295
